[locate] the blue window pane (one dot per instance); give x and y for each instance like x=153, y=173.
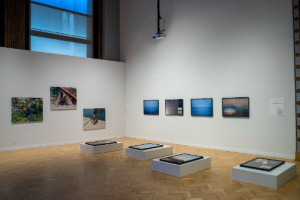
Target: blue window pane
x=47, y=45
x=45, y=19
x=80, y=6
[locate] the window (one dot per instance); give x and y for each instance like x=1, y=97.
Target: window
x=62, y=27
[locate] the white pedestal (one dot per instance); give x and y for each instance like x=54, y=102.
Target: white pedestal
x=273, y=179
x=180, y=170
x=149, y=153
x=101, y=148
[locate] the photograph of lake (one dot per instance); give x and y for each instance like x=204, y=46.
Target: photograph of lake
x=202, y=107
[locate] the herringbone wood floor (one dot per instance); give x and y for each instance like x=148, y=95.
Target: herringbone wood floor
x=65, y=173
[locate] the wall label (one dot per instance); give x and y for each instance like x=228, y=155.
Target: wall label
x=277, y=106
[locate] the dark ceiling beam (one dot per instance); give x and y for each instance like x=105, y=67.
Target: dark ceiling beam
x=97, y=28
x=2, y=22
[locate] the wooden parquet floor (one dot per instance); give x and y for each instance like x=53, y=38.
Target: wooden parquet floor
x=66, y=173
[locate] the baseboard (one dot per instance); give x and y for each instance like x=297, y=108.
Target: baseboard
x=215, y=147
x=153, y=139
x=58, y=143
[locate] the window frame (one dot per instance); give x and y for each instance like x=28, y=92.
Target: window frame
x=90, y=41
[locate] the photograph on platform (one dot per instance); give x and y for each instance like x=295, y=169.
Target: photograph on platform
x=174, y=107
x=151, y=107
x=26, y=110
x=146, y=146
x=235, y=107
x=202, y=107
x=102, y=142
x=94, y=119
x=263, y=164
x=181, y=158
x=63, y=98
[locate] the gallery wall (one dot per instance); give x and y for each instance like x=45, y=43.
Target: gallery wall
x=213, y=49
x=99, y=83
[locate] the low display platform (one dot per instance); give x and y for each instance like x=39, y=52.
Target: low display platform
x=149, y=153
x=101, y=148
x=180, y=170
x=271, y=179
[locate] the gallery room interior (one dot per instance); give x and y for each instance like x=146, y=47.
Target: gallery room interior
x=150, y=100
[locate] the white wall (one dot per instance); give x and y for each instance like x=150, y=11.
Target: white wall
x=213, y=49
x=99, y=83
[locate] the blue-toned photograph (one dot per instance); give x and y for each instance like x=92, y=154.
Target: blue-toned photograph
x=151, y=107
x=94, y=119
x=202, y=107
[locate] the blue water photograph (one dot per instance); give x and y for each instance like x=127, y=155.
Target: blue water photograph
x=94, y=119
x=201, y=107
x=151, y=107
x=235, y=107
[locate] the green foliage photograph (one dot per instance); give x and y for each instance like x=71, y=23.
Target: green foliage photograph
x=25, y=110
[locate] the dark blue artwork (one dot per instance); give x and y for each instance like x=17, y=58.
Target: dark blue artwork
x=151, y=107
x=201, y=107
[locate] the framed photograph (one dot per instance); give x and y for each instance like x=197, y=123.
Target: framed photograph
x=146, y=146
x=94, y=119
x=63, y=98
x=235, y=107
x=26, y=110
x=174, y=107
x=102, y=142
x=180, y=159
x=151, y=107
x=202, y=107
x=263, y=164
